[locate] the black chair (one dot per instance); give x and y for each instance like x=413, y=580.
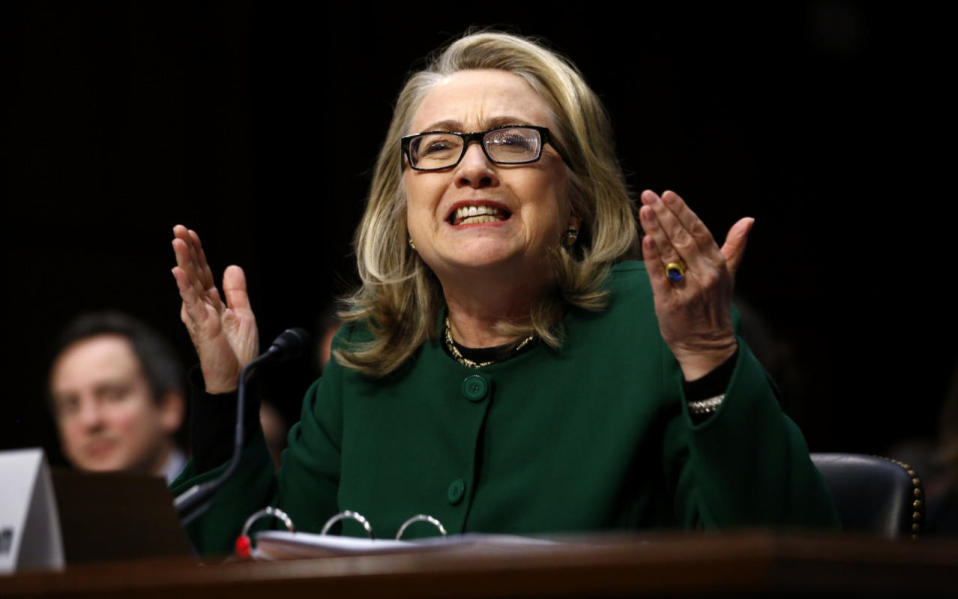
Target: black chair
x=873, y=494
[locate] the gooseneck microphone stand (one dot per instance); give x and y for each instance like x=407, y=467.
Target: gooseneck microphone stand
x=194, y=501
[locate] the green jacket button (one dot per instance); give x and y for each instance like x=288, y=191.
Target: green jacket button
x=475, y=387
x=456, y=490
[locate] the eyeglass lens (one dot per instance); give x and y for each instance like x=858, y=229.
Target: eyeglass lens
x=504, y=146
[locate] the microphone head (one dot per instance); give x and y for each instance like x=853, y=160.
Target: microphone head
x=290, y=344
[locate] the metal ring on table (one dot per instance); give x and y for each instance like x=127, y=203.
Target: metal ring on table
x=268, y=511
x=420, y=518
x=348, y=514
x=244, y=545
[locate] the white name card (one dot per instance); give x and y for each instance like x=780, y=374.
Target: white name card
x=29, y=525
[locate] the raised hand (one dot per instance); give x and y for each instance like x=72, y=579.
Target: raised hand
x=694, y=313
x=224, y=335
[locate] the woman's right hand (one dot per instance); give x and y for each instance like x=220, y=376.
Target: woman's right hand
x=225, y=336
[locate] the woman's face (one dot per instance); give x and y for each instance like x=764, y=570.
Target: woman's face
x=528, y=201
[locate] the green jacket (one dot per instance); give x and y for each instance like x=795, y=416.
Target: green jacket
x=593, y=436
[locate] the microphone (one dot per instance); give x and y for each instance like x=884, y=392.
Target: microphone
x=290, y=344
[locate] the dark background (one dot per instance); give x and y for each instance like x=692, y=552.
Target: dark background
x=258, y=124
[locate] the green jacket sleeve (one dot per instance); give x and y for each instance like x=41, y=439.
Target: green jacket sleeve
x=747, y=464
x=305, y=487
x=251, y=487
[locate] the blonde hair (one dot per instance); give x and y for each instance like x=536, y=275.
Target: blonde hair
x=400, y=297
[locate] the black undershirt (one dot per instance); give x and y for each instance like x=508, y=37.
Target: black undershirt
x=499, y=353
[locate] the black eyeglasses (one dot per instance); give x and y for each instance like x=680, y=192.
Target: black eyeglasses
x=438, y=150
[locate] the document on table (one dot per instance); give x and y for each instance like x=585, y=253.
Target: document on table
x=278, y=544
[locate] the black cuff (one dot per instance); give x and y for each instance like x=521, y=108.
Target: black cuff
x=712, y=384
x=213, y=422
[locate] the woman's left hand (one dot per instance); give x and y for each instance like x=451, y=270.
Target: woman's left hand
x=695, y=313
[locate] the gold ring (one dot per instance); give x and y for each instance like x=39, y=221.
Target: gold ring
x=675, y=271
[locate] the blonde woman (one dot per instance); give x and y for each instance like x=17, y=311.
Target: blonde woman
x=504, y=367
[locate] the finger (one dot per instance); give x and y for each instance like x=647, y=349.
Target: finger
x=690, y=221
x=181, y=248
x=192, y=258
x=234, y=287
x=186, y=263
x=192, y=307
x=665, y=251
x=186, y=256
x=734, y=247
x=200, y=255
x=684, y=246
x=205, y=272
x=655, y=266
x=181, y=232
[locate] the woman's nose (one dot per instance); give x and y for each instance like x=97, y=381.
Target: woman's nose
x=475, y=169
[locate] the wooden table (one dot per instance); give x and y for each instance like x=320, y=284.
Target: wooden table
x=708, y=565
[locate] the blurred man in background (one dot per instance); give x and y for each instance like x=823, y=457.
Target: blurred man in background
x=117, y=396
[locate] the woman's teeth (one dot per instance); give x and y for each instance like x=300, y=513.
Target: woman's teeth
x=477, y=214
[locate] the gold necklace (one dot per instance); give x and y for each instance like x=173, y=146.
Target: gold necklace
x=457, y=355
